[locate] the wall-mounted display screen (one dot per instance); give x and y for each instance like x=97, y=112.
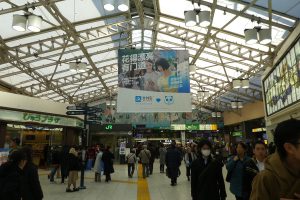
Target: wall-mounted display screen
x=282, y=85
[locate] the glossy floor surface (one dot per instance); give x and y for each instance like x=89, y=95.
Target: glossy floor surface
x=156, y=187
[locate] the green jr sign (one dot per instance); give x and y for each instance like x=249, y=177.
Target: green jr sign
x=109, y=127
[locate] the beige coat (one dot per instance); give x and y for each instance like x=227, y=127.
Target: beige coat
x=276, y=181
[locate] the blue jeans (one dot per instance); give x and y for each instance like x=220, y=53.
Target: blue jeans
x=52, y=173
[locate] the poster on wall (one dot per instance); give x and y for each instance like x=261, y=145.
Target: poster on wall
x=153, y=81
x=282, y=84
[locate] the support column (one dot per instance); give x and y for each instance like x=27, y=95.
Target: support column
x=71, y=136
x=2, y=133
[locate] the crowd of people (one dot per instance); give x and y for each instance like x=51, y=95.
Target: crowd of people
x=260, y=174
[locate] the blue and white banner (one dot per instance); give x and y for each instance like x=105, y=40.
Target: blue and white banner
x=153, y=81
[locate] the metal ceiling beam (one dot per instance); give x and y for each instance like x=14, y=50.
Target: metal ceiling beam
x=207, y=36
x=70, y=29
x=65, y=60
x=19, y=64
x=156, y=18
x=213, y=28
x=246, y=15
x=140, y=11
x=266, y=9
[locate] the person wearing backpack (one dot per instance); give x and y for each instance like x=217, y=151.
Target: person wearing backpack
x=207, y=182
x=145, y=156
x=235, y=168
x=131, y=160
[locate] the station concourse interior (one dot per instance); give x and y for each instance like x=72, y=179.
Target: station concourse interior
x=126, y=74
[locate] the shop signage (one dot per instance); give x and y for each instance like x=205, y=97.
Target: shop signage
x=17, y=116
x=195, y=127
x=237, y=134
x=255, y=130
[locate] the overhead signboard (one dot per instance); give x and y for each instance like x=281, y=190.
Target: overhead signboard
x=75, y=112
x=17, y=116
x=110, y=127
x=153, y=81
x=237, y=133
x=282, y=85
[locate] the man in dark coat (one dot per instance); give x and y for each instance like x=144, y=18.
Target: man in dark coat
x=31, y=188
x=10, y=176
x=207, y=182
x=107, y=159
x=173, y=161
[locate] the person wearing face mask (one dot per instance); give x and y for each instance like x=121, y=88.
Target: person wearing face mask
x=11, y=173
x=207, y=182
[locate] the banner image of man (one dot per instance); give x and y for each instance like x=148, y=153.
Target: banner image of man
x=167, y=82
x=150, y=78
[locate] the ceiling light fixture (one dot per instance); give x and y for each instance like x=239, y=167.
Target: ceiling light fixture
x=108, y=5
x=204, y=18
x=236, y=104
x=251, y=36
x=123, y=5
x=78, y=66
x=203, y=93
x=240, y=83
x=33, y=22
x=190, y=18
x=19, y=23
x=264, y=36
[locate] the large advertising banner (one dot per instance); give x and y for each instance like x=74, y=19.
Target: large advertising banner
x=153, y=81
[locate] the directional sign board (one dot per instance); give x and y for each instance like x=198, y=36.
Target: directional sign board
x=75, y=112
x=75, y=108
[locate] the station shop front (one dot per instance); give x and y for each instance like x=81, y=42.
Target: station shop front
x=41, y=131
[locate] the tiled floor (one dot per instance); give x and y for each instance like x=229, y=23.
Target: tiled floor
x=122, y=188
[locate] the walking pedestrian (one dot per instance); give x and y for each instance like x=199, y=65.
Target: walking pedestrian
x=207, y=182
x=74, y=166
x=131, y=160
x=235, y=167
x=281, y=177
x=144, y=156
x=10, y=176
x=252, y=167
x=189, y=157
x=107, y=159
x=98, y=166
x=30, y=183
x=173, y=161
x=162, y=158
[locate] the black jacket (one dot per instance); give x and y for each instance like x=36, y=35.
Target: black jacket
x=73, y=163
x=207, y=182
x=107, y=159
x=249, y=172
x=30, y=187
x=173, y=158
x=10, y=182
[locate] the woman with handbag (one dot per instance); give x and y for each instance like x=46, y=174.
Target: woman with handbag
x=235, y=167
x=207, y=181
